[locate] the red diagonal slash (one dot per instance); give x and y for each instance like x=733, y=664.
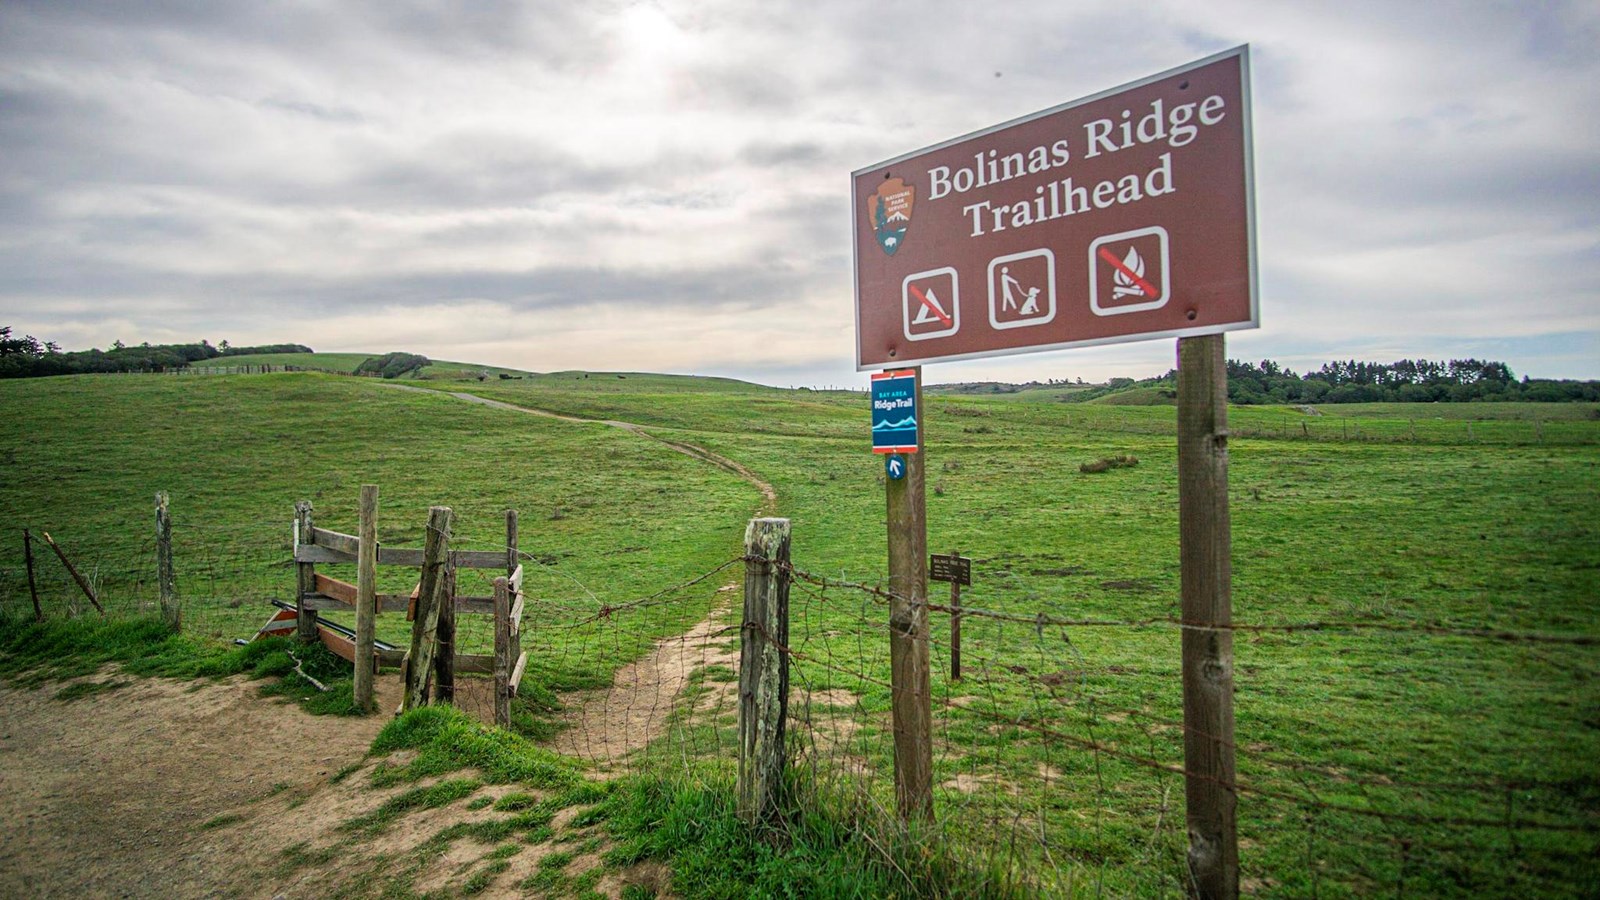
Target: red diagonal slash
x=923, y=299
x=1145, y=286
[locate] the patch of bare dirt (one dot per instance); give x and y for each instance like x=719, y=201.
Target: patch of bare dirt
x=162, y=789
x=110, y=793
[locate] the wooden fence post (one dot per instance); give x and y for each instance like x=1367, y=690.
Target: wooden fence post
x=424, y=631
x=955, y=623
x=1205, y=554
x=366, y=597
x=507, y=640
x=444, y=658
x=513, y=555
x=166, y=577
x=305, y=573
x=763, y=669
x=910, y=695
x=33, y=588
x=83, y=583
x=502, y=652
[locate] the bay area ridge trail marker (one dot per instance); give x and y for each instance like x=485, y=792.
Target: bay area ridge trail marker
x=996, y=233
x=894, y=412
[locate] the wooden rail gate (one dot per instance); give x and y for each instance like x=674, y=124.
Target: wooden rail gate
x=432, y=611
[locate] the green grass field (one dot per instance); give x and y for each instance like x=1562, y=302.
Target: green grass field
x=1373, y=759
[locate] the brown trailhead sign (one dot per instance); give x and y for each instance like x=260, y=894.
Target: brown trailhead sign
x=1123, y=216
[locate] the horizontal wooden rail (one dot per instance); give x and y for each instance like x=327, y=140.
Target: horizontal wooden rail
x=338, y=590
x=390, y=603
x=334, y=540
x=345, y=648
x=461, y=559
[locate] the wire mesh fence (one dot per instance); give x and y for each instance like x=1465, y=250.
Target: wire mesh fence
x=1058, y=754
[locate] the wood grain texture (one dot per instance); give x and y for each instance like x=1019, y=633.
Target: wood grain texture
x=1205, y=553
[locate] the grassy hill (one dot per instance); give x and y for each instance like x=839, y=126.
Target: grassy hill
x=1409, y=529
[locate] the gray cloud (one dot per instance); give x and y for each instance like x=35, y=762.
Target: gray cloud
x=674, y=172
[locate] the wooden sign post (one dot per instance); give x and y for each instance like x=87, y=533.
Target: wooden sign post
x=366, y=597
x=908, y=633
x=957, y=570
x=1205, y=553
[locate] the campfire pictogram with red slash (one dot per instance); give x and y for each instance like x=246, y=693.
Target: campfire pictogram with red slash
x=1134, y=275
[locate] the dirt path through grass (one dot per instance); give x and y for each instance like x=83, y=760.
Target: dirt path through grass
x=607, y=726
x=768, y=493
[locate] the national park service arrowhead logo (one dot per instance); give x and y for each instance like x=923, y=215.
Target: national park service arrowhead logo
x=890, y=212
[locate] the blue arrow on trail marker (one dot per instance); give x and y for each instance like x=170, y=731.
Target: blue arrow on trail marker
x=895, y=466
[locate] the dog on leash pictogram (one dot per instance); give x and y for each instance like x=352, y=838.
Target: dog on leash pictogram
x=1022, y=289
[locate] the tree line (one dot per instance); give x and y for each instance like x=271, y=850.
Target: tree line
x=1354, y=381
x=1403, y=381
x=28, y=357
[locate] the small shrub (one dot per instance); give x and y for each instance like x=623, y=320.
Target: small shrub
x=1107, y=463
x=392, y=365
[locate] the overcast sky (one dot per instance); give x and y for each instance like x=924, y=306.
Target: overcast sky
x=665, y=186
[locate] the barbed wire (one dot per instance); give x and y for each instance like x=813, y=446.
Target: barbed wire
x=1041, y=620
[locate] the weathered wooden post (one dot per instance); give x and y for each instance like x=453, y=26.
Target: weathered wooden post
x=33, y=588
x=444, y=658
x=955, y=623
x=366, y=596
x=910, y=696
x=431, y=596
x=305, y=573
x=763, y=669
x=1205, y=553
x=502, y=652
x=507, y=637
x=513, y=555
x=166, y=577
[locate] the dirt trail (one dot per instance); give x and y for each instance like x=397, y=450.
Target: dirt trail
x=770, y=495
x=609, y=725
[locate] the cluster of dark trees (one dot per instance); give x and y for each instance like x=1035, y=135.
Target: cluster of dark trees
x=27, y=357
x=1405, y=381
